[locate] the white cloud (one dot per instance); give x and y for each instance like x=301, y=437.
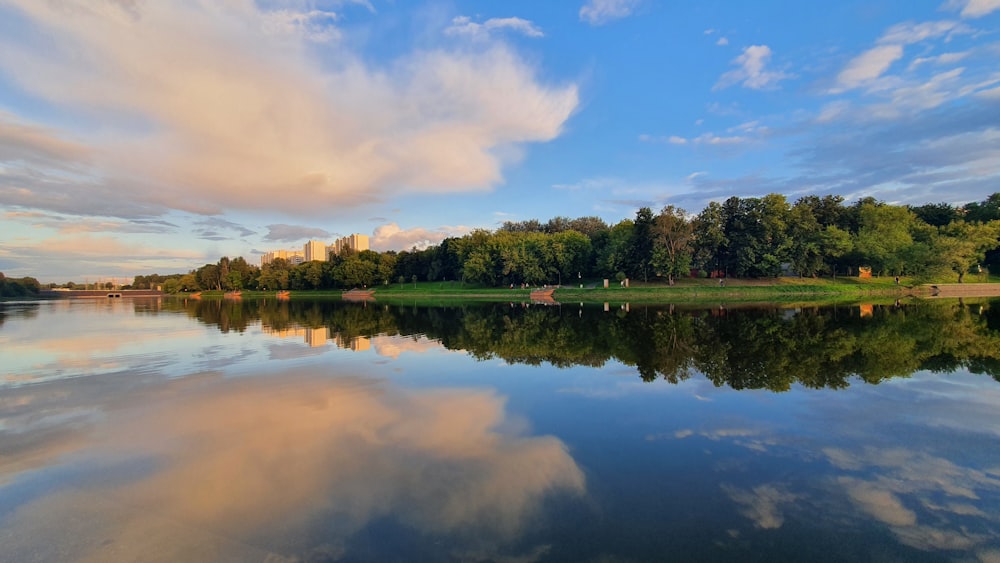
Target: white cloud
x=752, y=72
x=600, y=12
x=590, y=184
x=703, y=139
x=391, y=237
x=974, y=8
x=722, y=42
x=909, y=33
x=315, y=25
x=762, y=504
x=873, y=63
x=463, y=25
x=196, y=98
x=868, y=65
x=712, y=139
x=942, y=59
x=672, y=139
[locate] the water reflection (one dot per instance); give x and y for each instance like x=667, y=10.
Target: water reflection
x=750, y=348
x=294, y=465
x=327, y=431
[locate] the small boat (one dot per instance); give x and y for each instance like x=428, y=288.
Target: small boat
x=358, y=294
x=543, y=296
x=233, y=295
x=195, y=295
x=283, y=295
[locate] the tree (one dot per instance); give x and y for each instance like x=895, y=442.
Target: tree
x=936, y=214
x=806, y=251
x=387, y=267
x=640, y=251
x=884, y=237
x=275, y=275
x=208, y=277
x=984, y=211
x=756, y=235
x=612, y=252
x=590, y=226
x=710, y=238
x=835, y=243
x=673, y=235
x=570, y=253
x=963, y=245
x=828, y=210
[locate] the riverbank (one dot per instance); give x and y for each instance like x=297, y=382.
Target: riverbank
x=687, y=290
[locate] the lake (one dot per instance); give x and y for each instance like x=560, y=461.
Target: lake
x=173, y=430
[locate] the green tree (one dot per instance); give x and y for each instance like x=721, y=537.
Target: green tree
x=640, y=250
x=983, y=211
x=937, y=214
x=673, y=235
x=883, y=237
x=710, y=238
x=208, y=277
x=963, y=245
x=612, y=251
x=834, y=243
x=806, y=250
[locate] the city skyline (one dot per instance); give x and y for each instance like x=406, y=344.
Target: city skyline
x=155, y=137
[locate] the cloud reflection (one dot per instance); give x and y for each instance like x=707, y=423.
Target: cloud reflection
x=277, y=463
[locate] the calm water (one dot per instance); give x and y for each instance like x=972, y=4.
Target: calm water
x=324, y=431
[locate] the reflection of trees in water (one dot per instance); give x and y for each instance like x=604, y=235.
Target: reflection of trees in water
x=18, y=311
x=748, y=348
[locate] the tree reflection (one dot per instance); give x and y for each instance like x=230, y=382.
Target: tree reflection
x=745, y=348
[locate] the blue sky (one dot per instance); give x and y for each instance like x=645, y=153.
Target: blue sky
x=140, y=137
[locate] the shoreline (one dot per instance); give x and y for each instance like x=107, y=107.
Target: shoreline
x=736, y=291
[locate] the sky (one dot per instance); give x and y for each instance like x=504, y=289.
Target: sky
x=141, y=137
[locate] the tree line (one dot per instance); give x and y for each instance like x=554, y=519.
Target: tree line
x=18, y=287
x=752, y=237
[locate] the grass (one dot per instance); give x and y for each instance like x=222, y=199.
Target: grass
x=784, y=289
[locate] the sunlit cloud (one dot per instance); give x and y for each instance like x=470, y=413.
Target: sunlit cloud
x=207, y=102
x=392, y=237
x=34, y=144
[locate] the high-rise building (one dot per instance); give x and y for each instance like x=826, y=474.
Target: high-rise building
x=293, y=256
x=355, y=242
x=315, y=250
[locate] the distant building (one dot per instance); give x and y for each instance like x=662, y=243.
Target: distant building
x=315, y=250
x=355, y=242
x=293, y=257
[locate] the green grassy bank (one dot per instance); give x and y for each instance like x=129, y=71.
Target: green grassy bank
x=786, y=289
